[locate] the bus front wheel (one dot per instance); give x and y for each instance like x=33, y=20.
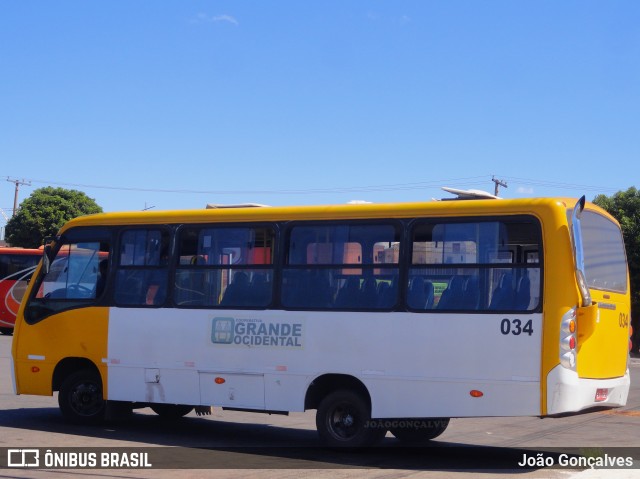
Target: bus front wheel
x=344, y=420
x=419, y=429
x=80, y=398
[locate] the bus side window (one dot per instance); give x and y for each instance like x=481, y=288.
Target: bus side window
x=222, y=266
x=341, y=265
x=142, y=276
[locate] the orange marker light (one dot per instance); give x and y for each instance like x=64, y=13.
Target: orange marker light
x=572, y=326
x=35, y=369
x=476, y=394
x=219, y=380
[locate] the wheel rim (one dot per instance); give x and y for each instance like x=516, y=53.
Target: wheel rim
x=343, y=422
x=86, y=399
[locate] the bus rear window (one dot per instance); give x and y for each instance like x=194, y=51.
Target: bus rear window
x=605, y=261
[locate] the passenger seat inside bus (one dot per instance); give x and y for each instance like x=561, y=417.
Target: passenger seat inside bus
x=129, y=289
x=452, y=297
x=420, y=294
x=388, y=294
x=237, y=291
x=348, y=294
x=503, y=296
x=430, y=291
x=260, y=290
x=471, y=297
x=305, y=289
x=523, y=292
x=368, y=294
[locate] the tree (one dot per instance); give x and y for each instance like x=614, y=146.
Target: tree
x=44, y=212
x=625, y=207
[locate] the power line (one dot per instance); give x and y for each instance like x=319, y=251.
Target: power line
x=558, y=184
x=472, y=180
x=469, y=181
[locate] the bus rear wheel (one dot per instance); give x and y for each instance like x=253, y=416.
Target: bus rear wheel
x=344, y=420
x=171, y=411
x=418, y=430
x=80, y=398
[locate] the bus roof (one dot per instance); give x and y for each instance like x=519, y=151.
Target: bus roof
x=460, y=207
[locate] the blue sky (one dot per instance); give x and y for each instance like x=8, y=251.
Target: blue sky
x=176, y=104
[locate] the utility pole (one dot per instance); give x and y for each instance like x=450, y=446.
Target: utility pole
x=498, y=183
x=15, y=196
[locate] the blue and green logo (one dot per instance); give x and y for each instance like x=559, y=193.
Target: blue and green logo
x=222, y=330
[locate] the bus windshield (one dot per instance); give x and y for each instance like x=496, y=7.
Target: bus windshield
x=604, y=255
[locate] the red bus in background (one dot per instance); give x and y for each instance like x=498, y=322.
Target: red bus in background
x=16, y=267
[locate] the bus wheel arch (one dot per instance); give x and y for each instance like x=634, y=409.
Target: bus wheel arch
x=343, y=417
x=80, y=395
x=323, y=385
x=68, y=366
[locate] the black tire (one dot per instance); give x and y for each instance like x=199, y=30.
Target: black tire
x=80, y=398
x=171, y=411
x=344, y=420
x=6, y=331
x=419, y=430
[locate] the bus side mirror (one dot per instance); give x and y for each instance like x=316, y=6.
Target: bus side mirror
x=46, y=263
x=46, y=257
x=578, y=252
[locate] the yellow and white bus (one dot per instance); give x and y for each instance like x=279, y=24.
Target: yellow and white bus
x=390, y=316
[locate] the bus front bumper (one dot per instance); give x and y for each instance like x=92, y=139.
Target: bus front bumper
x=567, y=393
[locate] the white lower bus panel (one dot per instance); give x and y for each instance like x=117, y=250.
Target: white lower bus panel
x=450, y=398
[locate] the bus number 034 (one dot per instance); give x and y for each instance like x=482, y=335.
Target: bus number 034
x=515, y=327
x=623, y=320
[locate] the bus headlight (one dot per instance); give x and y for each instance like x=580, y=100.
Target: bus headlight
x=568, y=339
x=568, y=360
